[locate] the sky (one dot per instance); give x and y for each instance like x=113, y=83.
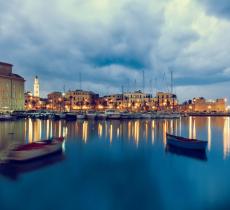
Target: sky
x=112, y=43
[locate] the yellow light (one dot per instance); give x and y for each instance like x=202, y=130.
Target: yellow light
x=100, y=107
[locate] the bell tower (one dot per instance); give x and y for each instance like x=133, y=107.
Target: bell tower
x=36, y=87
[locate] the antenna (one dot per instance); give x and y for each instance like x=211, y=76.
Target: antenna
x=171, y=81
x=135, y=85
x=156, y=84
x=80, y=80
x=151, y=85
x=143, y=81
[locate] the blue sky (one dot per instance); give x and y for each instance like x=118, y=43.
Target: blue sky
x=111, y=42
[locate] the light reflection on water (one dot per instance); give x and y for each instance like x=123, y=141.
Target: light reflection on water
x=136, y=131
x=103, y=156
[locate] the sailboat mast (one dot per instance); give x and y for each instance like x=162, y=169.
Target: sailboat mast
x=143, y=81
x=171, y=81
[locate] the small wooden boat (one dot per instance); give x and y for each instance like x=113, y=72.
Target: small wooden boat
x=186, y=143
x=35, y=150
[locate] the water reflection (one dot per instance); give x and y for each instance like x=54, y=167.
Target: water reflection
x=200, y=155
x=138, y=132
x=226, y=137
x=14, y=170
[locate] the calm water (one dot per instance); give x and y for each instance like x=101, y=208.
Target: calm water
x=118, y=165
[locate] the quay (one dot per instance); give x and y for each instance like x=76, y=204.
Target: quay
x=103, y=115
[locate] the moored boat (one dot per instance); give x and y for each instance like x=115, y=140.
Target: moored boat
x=186, y=143
x=81, y=116
x=112, y=114
x=91, y=114
x=6, y=117
x=101, y=115
x=146, y=115
x=35, y=150
x=126, y=115
x=71, y=116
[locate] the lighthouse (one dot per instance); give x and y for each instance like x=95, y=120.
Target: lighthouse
x=36, y=87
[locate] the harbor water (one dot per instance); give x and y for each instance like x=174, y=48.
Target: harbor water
x=118, y=165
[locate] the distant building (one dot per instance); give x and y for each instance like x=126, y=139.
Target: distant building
x=36, y=87
x=137, y=100
x=31, y=102
x=11, y=89
x=165, y=101
x=137, y=97
x=112, y=101
x=79, y=99
x=55, y=101
x=202, y=105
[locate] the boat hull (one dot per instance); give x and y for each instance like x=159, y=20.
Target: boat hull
x=26, y=155
x=186, y=144
x=114, y=116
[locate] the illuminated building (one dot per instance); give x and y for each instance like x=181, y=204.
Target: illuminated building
x=112, y=101
x=55, y=101
x=11, y=89
x=34, y=103
x=165, y=101
x=79, y=99
x=36, y=87
x=137, y=99
x=203, y=105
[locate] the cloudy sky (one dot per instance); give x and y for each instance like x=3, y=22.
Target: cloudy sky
x=112, y=42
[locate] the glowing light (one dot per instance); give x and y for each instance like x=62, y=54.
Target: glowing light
x=226, y=137
x=100, y=130
x=153, y=131
x=190, y=127
x=137, y=132
x=85, y=131
x=209, y=133
x=111, y=133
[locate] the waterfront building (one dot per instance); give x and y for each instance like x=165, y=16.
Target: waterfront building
x=137, y=100
x=165, y=101
x=203, y=105
x=11, y=89
x=55, y=101
x=36, y=87
x=32, y=102
x=112, y=101
x=80, y=99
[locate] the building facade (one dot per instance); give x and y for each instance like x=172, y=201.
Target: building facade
x=137, y=100
x=79, y=99
x=165, y=101
x=56, y=101
x=202, y=105
x=112, y=101
x=11, y=89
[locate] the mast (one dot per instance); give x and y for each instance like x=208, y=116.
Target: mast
x=80, y=80
x=122, y=95
x=171, y=72
x=143, y=80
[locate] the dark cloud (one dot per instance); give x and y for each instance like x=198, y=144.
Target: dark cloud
x=217, y=8
x=110, y=49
